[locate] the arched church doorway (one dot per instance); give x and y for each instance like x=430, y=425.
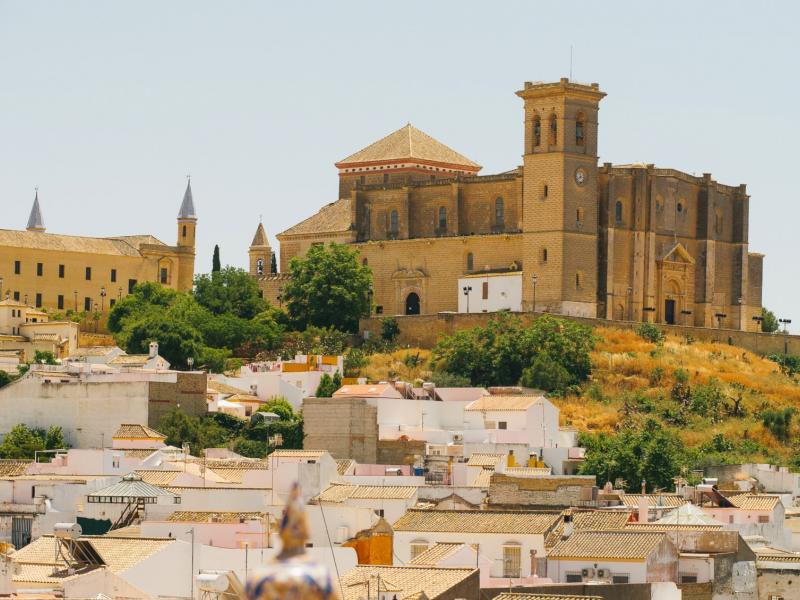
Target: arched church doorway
x=412, y=304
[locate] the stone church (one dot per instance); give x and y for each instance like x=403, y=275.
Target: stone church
x=567, y=235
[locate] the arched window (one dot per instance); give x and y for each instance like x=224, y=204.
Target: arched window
x=394, y=226
x=544, y=255
x=553, y=129
x=260, y=266
x=470, y=262
x=537, y=131
x=442, y=219
x=184, y=231
x=412, y=304
x=618, y=211
x=580, y=122
x=499, y=212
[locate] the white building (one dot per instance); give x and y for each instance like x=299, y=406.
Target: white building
x=490, y=292
x=613, y=557
x=512, y=541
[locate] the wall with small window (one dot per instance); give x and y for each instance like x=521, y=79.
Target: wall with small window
x=490, y=293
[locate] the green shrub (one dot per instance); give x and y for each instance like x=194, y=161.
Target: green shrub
x=650, y=332
x=390, y=329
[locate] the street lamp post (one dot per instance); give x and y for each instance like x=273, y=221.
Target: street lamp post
x=758, y=319
x=102, y=299
x=785, y=323
x=534, y=279
x=467, y=289
x=719, y=316
x=76, y=300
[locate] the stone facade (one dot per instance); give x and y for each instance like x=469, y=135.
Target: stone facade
x=58, y=273
x=628, y=242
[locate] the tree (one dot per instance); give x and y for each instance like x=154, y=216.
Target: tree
x=21, y=442
x=177, y=340
x=389, y=329
x=546, y=373
x=216, y=266
x=327, y=386
x=329, y=287
x=54, y=439
x=273, y=265
x=229, y=291
x=280, y=406
x=769, y=322
x=44, y=357
x=5, y=378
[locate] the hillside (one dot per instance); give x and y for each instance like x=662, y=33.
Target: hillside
x=716, y=398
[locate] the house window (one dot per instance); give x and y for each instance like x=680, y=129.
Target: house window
x=499, y=212
x=417, y=548
x=544, y=192
x=61, y=271
x=16, y=296
x=688, y=578
x=544, y=255
x=578, y=280
x=112, y=303
x=537, y=130
x=470, y=262
x=17, y=267
x=131, y=285
x=88, y=273
x=730, y=518
x=618, y=212
x=579, y=130
x=763, y=518
x=379, y=512
x=61, y=302
x=113, y=275
x=164, y=275
x=379, y=309
x=115, y=462
x=442, y=218
x=579, y=215
x=394, y=225
x=364, y=261
x=620, y=578
x=87, y=304
x=574, y=578
x=38, y=300
x=553, y=129
x=502, y=424
x=39, y=269
x=485, y=290
x=184, y=231
x=512, y=554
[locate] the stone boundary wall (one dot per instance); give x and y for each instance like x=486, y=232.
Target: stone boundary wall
x=424, y=330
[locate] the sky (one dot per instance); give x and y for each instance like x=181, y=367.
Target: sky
x=107, y=106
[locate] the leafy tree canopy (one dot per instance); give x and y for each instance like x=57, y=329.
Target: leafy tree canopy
x=769, y=322
x=329, y=288
x=22, y=442
x=229, y=291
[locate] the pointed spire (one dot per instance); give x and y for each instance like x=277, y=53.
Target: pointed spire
x=35, y=221
x=187, y=206
x=260, y=238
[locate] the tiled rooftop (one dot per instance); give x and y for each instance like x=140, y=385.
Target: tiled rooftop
x=485, y=459
x=406, y=581
x=477, y=521
x=607, y=545
x=136, y=431
x=341, y=492
x=503, y=403
x=436, y=553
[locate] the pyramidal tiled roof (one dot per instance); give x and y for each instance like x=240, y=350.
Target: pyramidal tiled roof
x=408, y=143
x=260, y=238
x=187, y=206
x=35, y=221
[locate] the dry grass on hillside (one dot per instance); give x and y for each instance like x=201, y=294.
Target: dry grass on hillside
x=408, y=364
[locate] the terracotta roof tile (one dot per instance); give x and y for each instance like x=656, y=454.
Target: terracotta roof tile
x=406, y=580
x=436, y=553
x=341, y=492
x=118, y=246
x=755, y=501
x=607, y=545
x=408, y=143
x=502, y=403
x=655, y=500
x=196, y=516
x=136, y=431
x=343, y=465
x=157, y=477
x=526, y=596
x=476, y=521
x=331, y=218
x=13, y=468
x=485, y=459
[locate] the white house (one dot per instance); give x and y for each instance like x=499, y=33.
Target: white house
x=388, y=501
x=512, y=541
x=613, y=557
x=490, y=292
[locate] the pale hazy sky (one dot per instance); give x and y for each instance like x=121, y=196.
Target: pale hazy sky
x=106, y=106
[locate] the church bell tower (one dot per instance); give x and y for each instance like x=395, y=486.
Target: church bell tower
x=560, y=197
x=260, y=253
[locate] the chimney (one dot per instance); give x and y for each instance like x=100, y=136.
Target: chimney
x=644, y=509
x=153, y=349
x=567, y=531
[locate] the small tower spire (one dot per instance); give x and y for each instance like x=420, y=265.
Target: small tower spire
x=35, y=221
x=187, y=206
x=260, y=253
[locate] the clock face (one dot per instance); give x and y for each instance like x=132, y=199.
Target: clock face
x=580, y=176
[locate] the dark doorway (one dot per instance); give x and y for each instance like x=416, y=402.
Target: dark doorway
x=669, y=312
x=412, y=304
